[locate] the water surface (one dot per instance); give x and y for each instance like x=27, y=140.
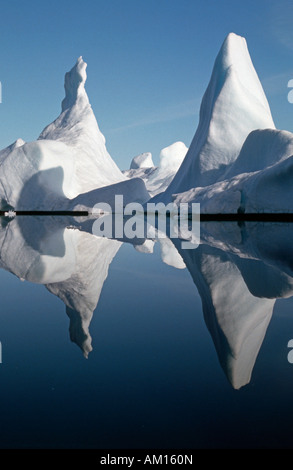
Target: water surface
x=108, y=344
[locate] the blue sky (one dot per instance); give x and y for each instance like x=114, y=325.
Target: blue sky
x=149, y=63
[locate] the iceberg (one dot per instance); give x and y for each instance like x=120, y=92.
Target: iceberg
x=78, y=129
x=263, y=191
x=68, y=159
x=233, y=105
x=171, y=158
x=261, y=149
x=132, y=190
x=158, y=178
x=144, y=160
x=238, y=162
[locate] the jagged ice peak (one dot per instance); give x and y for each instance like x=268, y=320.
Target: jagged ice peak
x=74, y=84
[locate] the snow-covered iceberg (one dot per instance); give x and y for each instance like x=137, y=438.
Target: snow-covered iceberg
x=238, y=162
x=260, y=181
x=69, y=158
x=171, y=158
x=233, y=105
x=158, y=178
x=78, y=129
x=143, y=160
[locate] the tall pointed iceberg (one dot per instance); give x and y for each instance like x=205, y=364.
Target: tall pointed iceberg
x=233, y=105
x=69, y=159
x=77, y=127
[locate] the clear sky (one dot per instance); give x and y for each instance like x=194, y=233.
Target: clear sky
x=149, y=63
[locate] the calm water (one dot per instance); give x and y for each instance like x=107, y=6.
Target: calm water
x=108, y=345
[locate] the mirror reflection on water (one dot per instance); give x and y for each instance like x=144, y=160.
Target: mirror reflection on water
x=142, y=344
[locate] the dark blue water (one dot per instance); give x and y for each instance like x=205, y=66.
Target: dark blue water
x=156, y=376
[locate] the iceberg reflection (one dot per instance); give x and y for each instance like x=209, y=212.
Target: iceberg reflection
x=239, y=271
